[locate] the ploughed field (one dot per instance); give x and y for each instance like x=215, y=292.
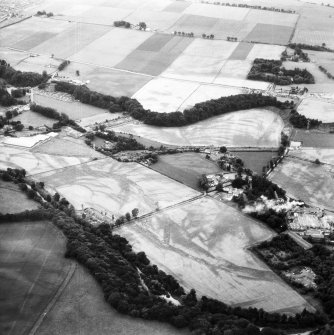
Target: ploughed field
x=204, y=245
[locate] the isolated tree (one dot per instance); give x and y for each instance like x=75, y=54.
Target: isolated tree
x=77, y=73
x=317, y=161
x=128, y=216
x=223, y=149
x=135, y=212
x=142, y=26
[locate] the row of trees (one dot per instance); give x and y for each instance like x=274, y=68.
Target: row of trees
x=63, y=65
x=121, y=273
x=21, y=79
x=325, y=71
x=304, y=46
x=124, y=24
x=272, y=71
x=182, y=33
x=199, y=112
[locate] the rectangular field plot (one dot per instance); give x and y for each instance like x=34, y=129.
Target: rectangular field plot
x=316, y=109
x=12, y=57
x=314, y=139
x=111, y=48
x=38, y=64
x=33, y=40
x=33, y=268
x=75, y=110
x=72, y=40
x=306, y=181
x=235, y=69
x=219, y=12
x=208, y=92
x=271, y=34
x=241, y=51
x=117, y=187
x=249, y=128
x=164, y=95
x=208, y=239
x=177, y=6
x=272, y=18
x=265, y=51
x=35, y=163
x=30, y=118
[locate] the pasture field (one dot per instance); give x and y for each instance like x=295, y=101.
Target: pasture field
x=66, y=146
x=120, y=43
x=71, y=40
x=270, y=33
x=255, y=160
x=30, y=118
x=177, y=6
x=82, y=310
x=208, y=92
x=248, y=128
x=317, y=109
x=325, y=155
x=186, y=168
x=13, y=57
x=314, y=139
x=326, y=59
x=271, y=18
x=265, y=51
x=33, y=268
x=306, y=181
x=39, y=64
x=241, y=51
x=75, y=110
x=155, y=54
x=165, y=95
x=234, y=69
x=35, y=163
x=13, y=200
x=117, y=187
x=208, y=239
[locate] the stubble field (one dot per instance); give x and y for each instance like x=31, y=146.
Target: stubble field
x=208, y=239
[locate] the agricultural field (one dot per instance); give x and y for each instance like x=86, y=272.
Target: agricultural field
x=33, y=268
x=315, y=26
x=75, y=110
x=306, y=181
x=30, y=118
x=117, y=187
x=35, y=163
x=314, y=139
x=13, y=200
x=208, y=239
x=82, y=310
x=91, y=120
x=248, y=128
x=317, y=109
x=325, y=155
x=186, y=168
x=67, y=146
x=28, y=141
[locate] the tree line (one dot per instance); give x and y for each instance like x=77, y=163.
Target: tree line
x=326, y=72
x=304, y=46
x=201, y=111
x=121, y=273
x=301, y=121
x=271, y=70
x=19, y=78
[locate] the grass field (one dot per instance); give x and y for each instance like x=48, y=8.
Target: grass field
x=306, y=181
x=27, y=141
x=265, y=51
x=324, y=155
x=208, y=239
x=74, y=110
x=272, y=18
x=249, y=128
x=316, y=109
x=314, y=139
x=13, y=200
x=30, y=118
x=186, y=168
x=32, y=269
x=82, y=310
x=117, y=187
x=35, y=163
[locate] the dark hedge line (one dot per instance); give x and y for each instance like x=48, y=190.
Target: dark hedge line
x=310, y=47
x=199, y=112
x=301, y=121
